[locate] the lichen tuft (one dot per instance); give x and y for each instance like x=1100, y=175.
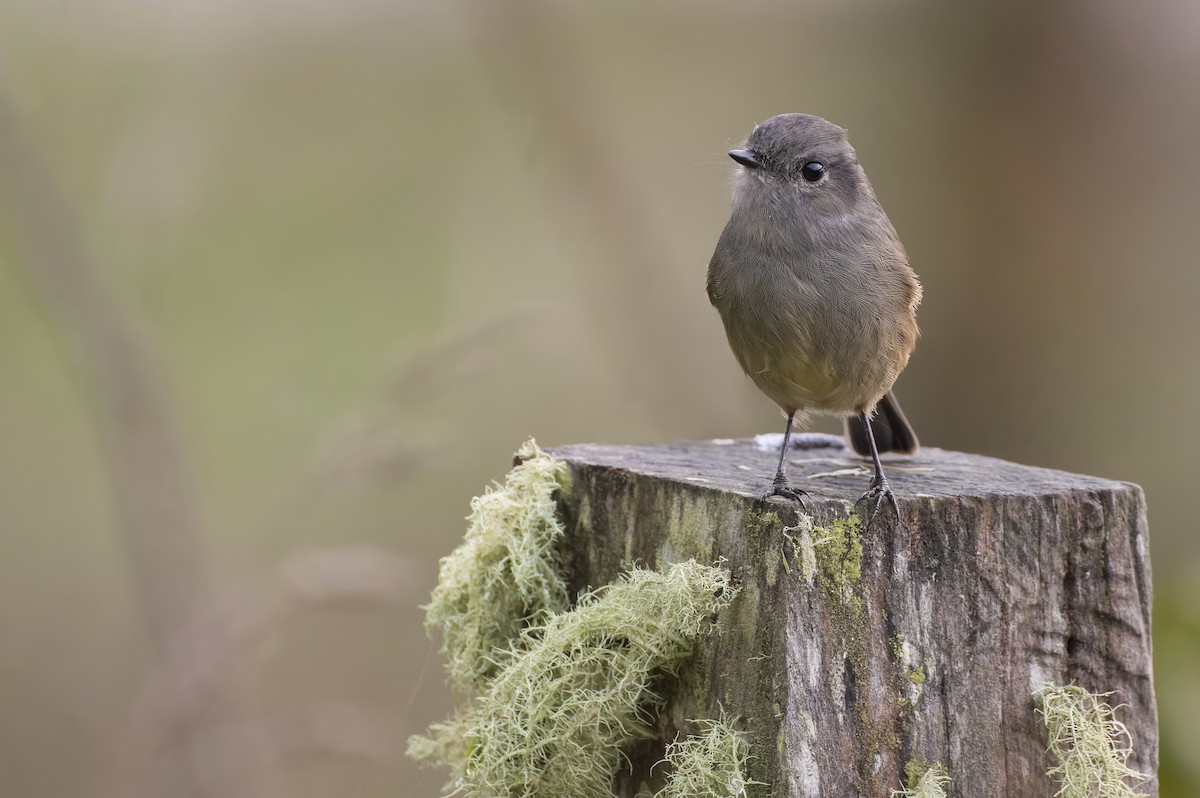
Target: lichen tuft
x=1090, y=745
x=709, y=764
x=924, y=782
x=551, y=696
x=554, y=720
x=442, y=744
x=504, y=576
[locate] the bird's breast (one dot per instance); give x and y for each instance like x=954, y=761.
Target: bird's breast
x=821, y=330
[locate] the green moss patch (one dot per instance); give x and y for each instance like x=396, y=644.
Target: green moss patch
x=839, y=553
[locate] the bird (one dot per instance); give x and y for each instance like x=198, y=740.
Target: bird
x=815, y=290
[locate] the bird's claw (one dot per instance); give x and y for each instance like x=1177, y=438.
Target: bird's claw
x=782, y=489
x=880, y=491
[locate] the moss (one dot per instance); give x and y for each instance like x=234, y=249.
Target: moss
x=907, y=658
x=505, y=575
x=830, y=558
x=743, y=618
x=688, y=520
x=838, y=552
x=1091, y=747
x=913, y=770
x=772, y=564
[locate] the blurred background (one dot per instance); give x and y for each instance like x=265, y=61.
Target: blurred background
x=284, y=284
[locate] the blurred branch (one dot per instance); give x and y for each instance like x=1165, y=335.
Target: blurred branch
x=239, y=630
x=145, y=464
x=462, y=354
x=364, y=445
x=243, y=624
x=129, y=412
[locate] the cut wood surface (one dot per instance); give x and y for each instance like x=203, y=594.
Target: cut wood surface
x=848, y=654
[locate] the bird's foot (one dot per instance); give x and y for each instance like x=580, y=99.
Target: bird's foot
x=880, y=491
x=781, y=488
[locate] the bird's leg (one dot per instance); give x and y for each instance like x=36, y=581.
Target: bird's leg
x=880, y=489
x=780, y=486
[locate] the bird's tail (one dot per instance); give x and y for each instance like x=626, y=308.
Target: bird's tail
x=892, y=431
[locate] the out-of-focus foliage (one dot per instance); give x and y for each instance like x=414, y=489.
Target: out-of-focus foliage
x=342, y=256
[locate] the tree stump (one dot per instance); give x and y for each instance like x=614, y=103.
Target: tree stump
x=850, y=654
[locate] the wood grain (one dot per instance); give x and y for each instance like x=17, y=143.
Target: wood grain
x=849, y=654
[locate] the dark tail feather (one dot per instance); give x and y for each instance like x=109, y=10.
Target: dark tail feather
x=892, y=431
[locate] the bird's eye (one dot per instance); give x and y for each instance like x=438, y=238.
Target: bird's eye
x=812, y=171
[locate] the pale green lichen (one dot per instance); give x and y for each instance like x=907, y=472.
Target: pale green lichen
x=504, y=576
x=551, y=696
x=1089, y=744
x=442, y=743
x=924, y=782
x=709, y=764
x=553, y=722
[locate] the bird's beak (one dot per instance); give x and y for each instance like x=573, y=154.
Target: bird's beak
x=746, y=158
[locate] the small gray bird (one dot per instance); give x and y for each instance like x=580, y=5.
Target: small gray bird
x=812, y=283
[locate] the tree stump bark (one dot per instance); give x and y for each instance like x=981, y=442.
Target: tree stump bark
x=849, y=654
